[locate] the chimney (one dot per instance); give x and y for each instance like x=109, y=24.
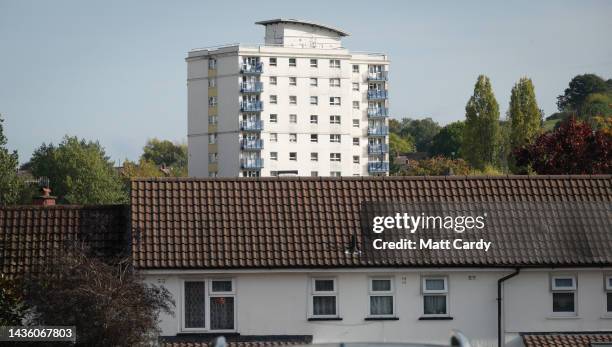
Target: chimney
x=46, y=199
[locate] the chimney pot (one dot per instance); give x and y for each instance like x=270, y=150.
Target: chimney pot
x=45, y=199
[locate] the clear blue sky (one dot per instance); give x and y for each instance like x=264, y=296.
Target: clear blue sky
x=115, y=71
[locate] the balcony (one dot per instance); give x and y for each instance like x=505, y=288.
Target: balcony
x=379, y=166
x=254, y=69
x=256, y=87
x=378, y=112
x=251, y=125
x=379, y=148
x=251, y=106
x=374, y=94
x=251, y=164
x=251, y=144
x=378, y=131
x=379, y=76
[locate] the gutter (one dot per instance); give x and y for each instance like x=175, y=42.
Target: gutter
x=500, y=338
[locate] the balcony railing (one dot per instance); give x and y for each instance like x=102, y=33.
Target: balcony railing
x=256, y=87
x=252, y=164
x=378, y=166
x=251, y=69
x=252, y=106
x=378, y=76
x=378, y=148
x=378, y=112
x=378, y=131
x=374, y=94
x=251, y=125
x=254, y=145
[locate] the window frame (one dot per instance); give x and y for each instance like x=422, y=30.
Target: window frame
x=314, y=292
x=335, y=82
x=208, y=294
x=294, y=64
x=573, y=289
x=333, y=99
x=273, y=100
x=314, y=100
x=273, y=61
x=271, y=79
x=335, y=119
x=314, y=119
x=433, y=292
x=607, y=292
x=292, y=81
x=332, y=64
x=274, y=119
x=372, y=293
x=313, y=82
x=314, y=156
x=292, y=137
x=291, y=154
x=274, y=156
x=333, y=155
x=335, y=138
x=293, y=118
x=314, y=63
x=292, y=99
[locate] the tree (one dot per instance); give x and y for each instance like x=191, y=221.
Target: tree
x=572, y=148
x=421, y=130
x=447, y=142
x=580, y=87
x=79, y=172
x=481, y=138
x=107, y=302
x=12, y=306
x=397, y=146
x=437, y=166
x=10, y=185
x=597, y=105
x=524, y=114
x=167, y=154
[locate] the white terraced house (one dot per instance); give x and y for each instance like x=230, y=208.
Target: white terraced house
x=300, y=104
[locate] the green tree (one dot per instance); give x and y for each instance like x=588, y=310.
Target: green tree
x=436, y=166
x=597, y=105
x=168, y=154
x=580, y=87
x=481, y=138
x=398, y=145
x=447, y=142
x=524, y=114
x=10, y=185
x=421, y=130
x=79, y=172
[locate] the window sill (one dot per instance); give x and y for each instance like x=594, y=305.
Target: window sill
x=381, y=318
x=436, y=318
x=606, y=316
x=555, y=316
x=323, y=319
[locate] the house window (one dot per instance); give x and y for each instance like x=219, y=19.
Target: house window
x=314, y=63
x=213, y=305
x=292, y=62
x=292, y=100
x=212, y=158
x=355, y=68
x=381, y=297
x=273, y=118
x=355, y=105
x=293, y=81
x=293, y=118
x=314, y=119
x=212, y=139
x=274, y=173
x=273, y=155
x=563, y=294
x=334, y=82
x=334, y=156
x=334, y=63
x=273, y=99
x=356, y=86
x=293, y=156
x=272, y=62
x=355, y=159
x=212, y=173
x=212, y=101
x=355, y=123
x=272, y=80
x=314, y=100
x=609, y=294
x=314, y=138
x=293, y=137
x=314, y=82
x=334, y=138
x=335, y=119
x=435, y=296
x=273, y=137
x=314, y=156
x=212, y=119
x=355, y=141
x=334, y=101
x=314, y=173
x=212, y=82
x=212, y=64
x=324, y=297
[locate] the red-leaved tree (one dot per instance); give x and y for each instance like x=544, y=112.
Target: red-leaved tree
x=573, y=148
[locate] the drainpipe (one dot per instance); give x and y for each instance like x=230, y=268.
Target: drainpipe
x=500, y=338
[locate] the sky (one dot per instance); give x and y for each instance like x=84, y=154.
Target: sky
x=114, y=71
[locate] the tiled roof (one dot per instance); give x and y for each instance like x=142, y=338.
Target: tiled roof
x=28, y=234
x=566, y=339
x=308, y=222
x=235, y=341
